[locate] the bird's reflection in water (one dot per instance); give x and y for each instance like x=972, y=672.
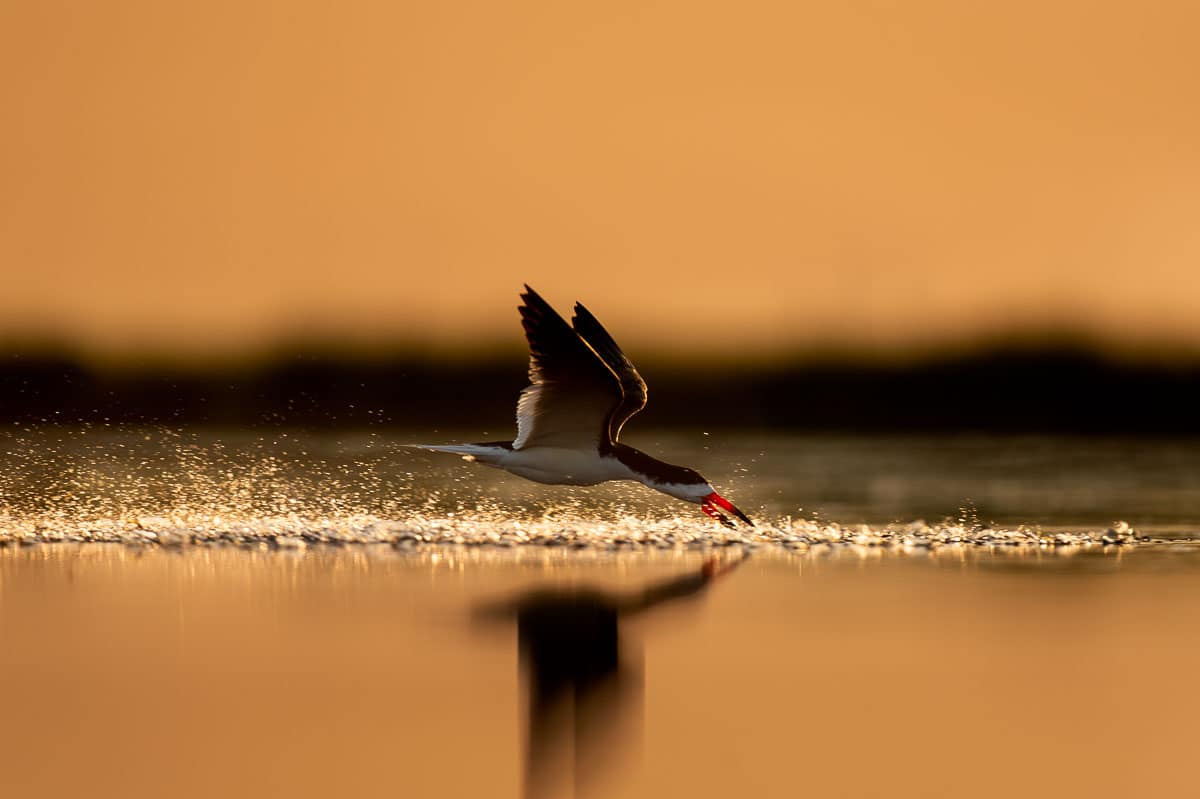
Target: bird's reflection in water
x=584, y=698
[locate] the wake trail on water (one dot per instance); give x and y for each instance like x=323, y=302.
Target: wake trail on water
x=565, y=528
x=160, y=487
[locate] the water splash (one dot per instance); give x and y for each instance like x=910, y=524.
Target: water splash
x=284, y=489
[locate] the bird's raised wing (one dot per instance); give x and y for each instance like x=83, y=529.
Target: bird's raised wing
x=572, y=391
x=633, y=387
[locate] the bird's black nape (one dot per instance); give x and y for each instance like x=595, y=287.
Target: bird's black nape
x=659, y=471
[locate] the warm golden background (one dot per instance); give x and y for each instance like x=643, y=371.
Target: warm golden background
x=208, y=179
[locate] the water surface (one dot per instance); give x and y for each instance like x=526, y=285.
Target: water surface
x=296, y=615
x=368, y=671
x=64, y=478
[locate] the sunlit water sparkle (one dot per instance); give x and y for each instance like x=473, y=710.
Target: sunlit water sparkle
x=291, y=490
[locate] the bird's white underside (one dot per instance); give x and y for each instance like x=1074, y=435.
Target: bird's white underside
x=562, y=466
x=567, y=466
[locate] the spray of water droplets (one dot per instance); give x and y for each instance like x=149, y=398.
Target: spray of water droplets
x=165, y=487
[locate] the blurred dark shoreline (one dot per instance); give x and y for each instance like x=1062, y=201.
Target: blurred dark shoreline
x=1058, y=390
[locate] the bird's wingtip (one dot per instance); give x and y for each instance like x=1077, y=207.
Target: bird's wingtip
x=581, y=312
x=530, y=298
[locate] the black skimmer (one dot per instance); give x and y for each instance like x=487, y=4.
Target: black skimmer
x=583, y=389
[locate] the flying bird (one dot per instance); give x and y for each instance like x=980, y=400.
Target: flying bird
x=582, y=390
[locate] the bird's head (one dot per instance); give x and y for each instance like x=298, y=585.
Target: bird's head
x=679, y=482
x=703, y=494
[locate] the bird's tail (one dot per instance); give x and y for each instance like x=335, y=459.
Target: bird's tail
x=489, y=454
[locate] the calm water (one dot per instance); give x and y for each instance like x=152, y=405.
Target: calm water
x=367, y=671
x=202, y=666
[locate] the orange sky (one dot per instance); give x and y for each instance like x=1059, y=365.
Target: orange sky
x=205, y=178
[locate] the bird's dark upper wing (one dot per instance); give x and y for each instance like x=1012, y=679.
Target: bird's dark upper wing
x=633, y=387
x=572, y=391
